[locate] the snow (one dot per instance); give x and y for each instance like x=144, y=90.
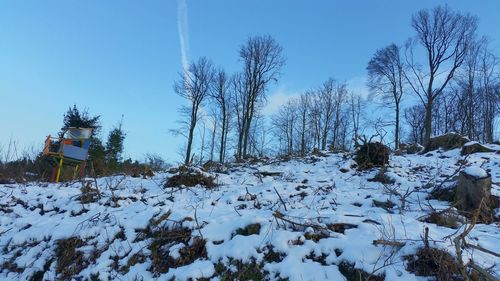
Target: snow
x=470, y=143
x=476, y=172
x=315, y=194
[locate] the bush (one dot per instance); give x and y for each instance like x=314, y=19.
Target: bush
x=372, y=154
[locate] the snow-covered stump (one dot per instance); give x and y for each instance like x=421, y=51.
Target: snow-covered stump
x=474, y=186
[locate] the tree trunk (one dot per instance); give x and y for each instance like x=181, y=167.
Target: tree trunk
x=222, y=137
x=190, y=141
x=396, y=133
x=212, y=143
x=428, y=122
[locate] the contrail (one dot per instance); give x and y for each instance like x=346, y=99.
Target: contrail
x=182, y=28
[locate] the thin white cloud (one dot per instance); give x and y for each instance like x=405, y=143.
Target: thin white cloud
x=182, y=28
x=358, y=86
x=278, y=99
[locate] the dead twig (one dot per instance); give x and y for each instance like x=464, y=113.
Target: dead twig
x=388, y=243
x=281, y=199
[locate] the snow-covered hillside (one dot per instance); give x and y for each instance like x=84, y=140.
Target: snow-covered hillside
x=313, y=218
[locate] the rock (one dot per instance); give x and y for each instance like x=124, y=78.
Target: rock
x=474, y=186
x=447, y=141
x=474, y=147
x=372, y=154
x=414, y=148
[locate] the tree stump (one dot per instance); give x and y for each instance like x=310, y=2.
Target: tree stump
x=474, y=186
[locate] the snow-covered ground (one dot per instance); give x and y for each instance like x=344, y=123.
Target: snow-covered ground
x=304, y=222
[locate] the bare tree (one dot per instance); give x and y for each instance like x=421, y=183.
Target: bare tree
x=263, y=59
x=194, y=86
x=445, y=36
x=221, y=95
x=284, y=124
x=303, y=111
x=326, y=103
x=490, y=85
x=415, y=118
x=355, y=110
x=469, y=105
x=339, y=119
x=386, y=80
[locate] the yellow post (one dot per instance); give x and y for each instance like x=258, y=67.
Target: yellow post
x=59, y=169
x=76, y=170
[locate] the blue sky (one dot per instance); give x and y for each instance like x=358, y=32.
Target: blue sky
x=122, y=57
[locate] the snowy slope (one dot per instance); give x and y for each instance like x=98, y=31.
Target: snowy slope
x=324, y=217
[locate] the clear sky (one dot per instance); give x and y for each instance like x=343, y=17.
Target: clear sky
x=122, y=57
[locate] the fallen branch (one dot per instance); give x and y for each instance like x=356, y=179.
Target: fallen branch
x=388, y=243
x=483, y=272
x=482, y=249
x=280, y=216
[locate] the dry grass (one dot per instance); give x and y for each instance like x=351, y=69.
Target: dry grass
x=355, y=274
x=434, y=262
x=191, y=179
x=382, y=177
x=164, y=238
x=241, y=271
x=70, y=261
x=443, y=219
x=89, y=193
